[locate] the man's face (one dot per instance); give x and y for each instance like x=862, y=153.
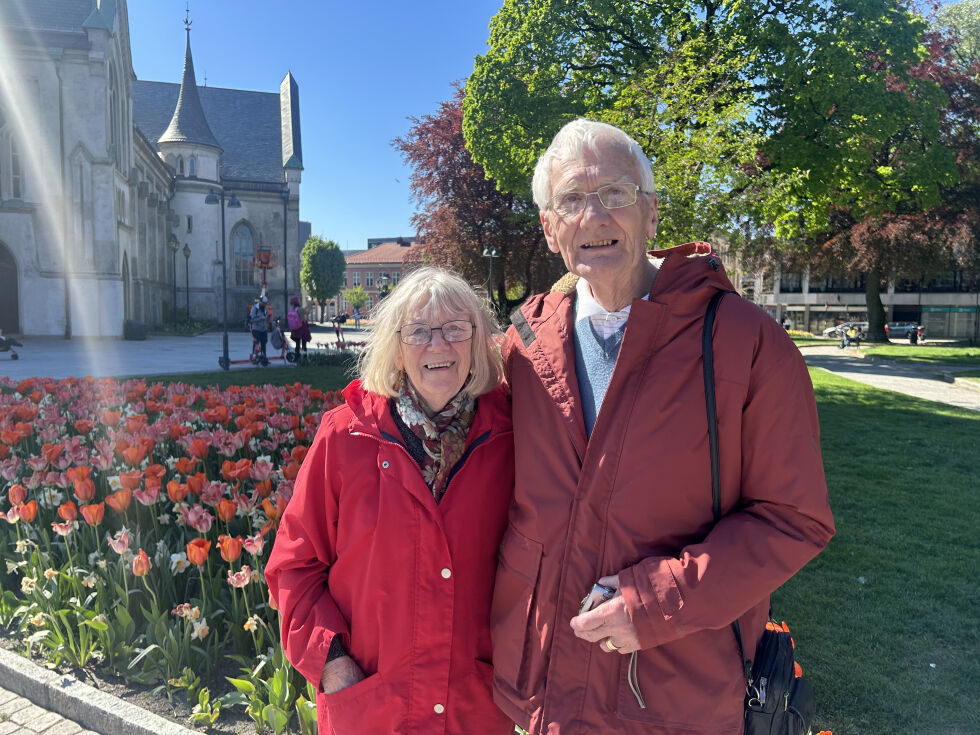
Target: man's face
x=606, y=247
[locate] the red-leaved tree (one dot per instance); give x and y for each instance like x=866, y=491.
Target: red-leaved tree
x=463, y=214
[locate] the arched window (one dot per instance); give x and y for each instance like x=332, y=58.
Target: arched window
x=115, y=137
x=192, y=166
x=16, y=172
x=243, y=252
x=180, y=165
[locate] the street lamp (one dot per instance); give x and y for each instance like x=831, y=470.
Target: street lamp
x=491, y=253
x=382, y=286
x=174, y=246
x=233, y=202
x=284, y=193
x=187, y=286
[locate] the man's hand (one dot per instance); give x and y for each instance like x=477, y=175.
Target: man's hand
x=608, y=621
x=339, y=674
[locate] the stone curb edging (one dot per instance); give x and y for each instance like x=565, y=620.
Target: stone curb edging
x=75, y=700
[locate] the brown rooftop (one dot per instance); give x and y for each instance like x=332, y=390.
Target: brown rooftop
x=387, y=252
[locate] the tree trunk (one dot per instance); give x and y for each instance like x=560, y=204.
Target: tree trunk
x=876, y=311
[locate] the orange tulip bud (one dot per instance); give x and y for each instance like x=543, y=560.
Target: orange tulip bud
x=227, y=509
x=93, y=514
x=230, y=547
x=176, y=491
x=84, y=490
x=119, y=501
x=197, y=551
x=141, y=564
x=28, y=511
x=67, y=511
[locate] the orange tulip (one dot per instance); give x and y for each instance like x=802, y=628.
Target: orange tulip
x=155, y=472
x=28, y=511
x=4, y=451
x=67, y=511
x=264, y=488
x=111, y=418
x=51, y=452
x=119, y=501
x=196, y=483
x=93, y=514
x=230, y=547
x=299, y=453
x=227, y=509
x=84, y=426
x=84, y=490
x=17, y=494
x=185, y=466
x=198, y=449
x=11, y=438
x=197, y=551
x=75, y=474
x=236, y=471
x=130, y=480
x=133, y=456
x=290, y=470
x=176, y=491
x=141, y=564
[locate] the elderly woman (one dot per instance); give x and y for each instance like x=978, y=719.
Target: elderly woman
x=384, y=562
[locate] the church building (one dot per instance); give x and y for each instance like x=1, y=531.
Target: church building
x=114, y=191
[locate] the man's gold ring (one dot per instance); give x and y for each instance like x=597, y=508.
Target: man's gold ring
x=609, y=645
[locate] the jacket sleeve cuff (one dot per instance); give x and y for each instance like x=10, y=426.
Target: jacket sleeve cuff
x=652, y=598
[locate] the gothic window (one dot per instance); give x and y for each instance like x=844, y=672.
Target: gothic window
x=243, y=249
x=16, y=172
x=180, y=165
x=115, y=137
x=192, y=166
x=190, y=220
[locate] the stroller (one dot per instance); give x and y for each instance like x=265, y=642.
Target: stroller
x=7, y=344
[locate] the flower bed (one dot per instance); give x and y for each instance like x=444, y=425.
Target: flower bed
x=138, y=519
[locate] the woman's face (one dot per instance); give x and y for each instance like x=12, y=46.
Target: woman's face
x=439, y=368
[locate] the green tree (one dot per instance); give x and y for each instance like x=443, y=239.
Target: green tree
x=680, y=77
x=357, y=297
x=962, y=21
x=322, y=270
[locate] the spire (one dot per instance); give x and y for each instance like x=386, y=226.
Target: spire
x=189, y=125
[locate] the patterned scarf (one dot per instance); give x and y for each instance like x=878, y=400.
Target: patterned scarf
x=443, y=436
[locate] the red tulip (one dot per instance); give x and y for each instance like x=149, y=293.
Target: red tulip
x=84, y=490
x=28, y=511
x=17, y=494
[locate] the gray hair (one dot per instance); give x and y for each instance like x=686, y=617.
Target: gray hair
x=424, y=293
x=572, y=140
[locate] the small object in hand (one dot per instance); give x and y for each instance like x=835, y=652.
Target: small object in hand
x=597, y=595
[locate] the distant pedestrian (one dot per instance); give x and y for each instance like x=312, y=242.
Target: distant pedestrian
x=259, y=322
x=357, y=318
x=299, y=325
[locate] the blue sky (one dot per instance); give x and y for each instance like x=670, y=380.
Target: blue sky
x=362, y=69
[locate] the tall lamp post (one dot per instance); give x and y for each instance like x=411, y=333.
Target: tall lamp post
x=233, y=202
x=490, y=253
x=187, y=284
x=174, y=246
x=382, y=286
x=284, y=193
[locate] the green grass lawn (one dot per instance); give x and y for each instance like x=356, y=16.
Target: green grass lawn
x=926, y=353
x=896, y=591
x=324, y=377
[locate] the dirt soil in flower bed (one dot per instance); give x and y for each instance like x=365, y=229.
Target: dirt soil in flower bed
x=232, y=721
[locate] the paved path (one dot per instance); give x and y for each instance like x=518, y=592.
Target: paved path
x=54, y=357
x=914, y=379
x=20, y=716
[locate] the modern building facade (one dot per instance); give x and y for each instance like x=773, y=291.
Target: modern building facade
x=104, y=180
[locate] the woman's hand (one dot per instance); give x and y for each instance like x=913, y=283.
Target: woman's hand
x=339, y=674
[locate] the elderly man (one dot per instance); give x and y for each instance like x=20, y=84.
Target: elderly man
x=614, y=481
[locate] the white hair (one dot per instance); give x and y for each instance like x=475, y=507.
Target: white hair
x=573, y=140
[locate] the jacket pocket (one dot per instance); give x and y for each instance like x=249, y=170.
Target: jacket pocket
x=692, y=685
x=361, y=707
x=513, y=599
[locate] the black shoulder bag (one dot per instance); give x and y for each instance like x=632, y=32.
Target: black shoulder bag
x=778, y=701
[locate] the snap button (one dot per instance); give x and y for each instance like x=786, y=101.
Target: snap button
x=446, y=573
x=438, y=709
x=384, y=465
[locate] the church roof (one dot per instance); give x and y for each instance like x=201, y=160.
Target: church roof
x=188, y=124
x=246, y=124
x=53, y=23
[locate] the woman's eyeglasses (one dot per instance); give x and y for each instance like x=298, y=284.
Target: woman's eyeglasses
x=457, y=330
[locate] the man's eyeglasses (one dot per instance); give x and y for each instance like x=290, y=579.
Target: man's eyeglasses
x=457, y=330
x=611, y=196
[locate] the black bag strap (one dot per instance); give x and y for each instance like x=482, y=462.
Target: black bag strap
x=708, y=360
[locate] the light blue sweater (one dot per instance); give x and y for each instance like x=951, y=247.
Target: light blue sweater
x=595, y=359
